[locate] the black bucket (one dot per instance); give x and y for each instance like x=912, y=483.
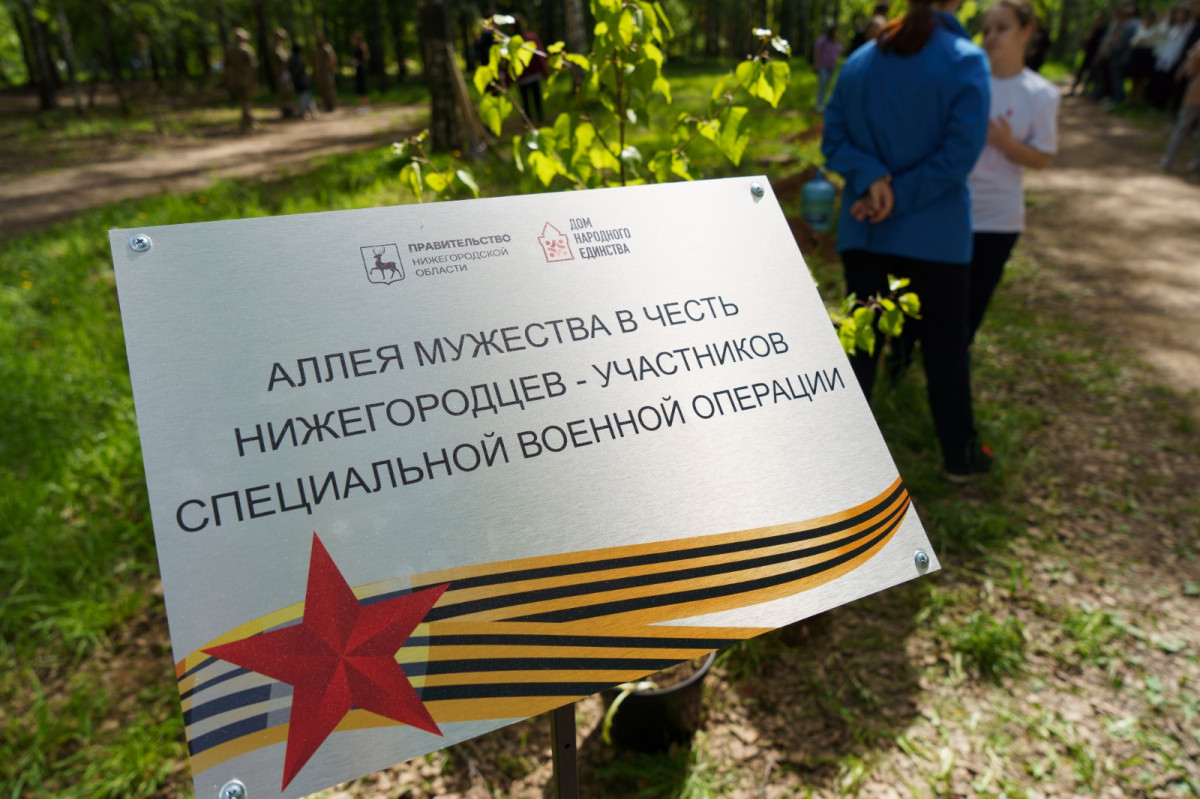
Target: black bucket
x=652, y=720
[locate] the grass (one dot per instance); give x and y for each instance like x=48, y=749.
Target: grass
x=78, y=578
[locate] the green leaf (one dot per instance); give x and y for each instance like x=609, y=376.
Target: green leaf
x=709, y=129
x=544, y=167
x=556, y=48
x=582, y=140
x=681, y=131
x=517, y=160
x=778, y=75
x=643, y=77
x=483, y=78
x=747, y=74
x=897, y=283
x=520, y=55
x=891, y=321
x=864, y=333
x=410, y=177
x=766, y=81
x=627, y=28
x=580, y=61
x=493, y=110
x=731, y=141
x=662, y=16
x=654, y=54
x=663, y=87
x=680, y=166
x=467, y=180
x=660, y=166
x=437, y=182
x=847, y=335
x=911, y=304
x=601, y=158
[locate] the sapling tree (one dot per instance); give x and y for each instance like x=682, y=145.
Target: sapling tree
x=607, y=95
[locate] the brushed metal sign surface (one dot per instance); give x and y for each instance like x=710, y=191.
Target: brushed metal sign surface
x=423, y=471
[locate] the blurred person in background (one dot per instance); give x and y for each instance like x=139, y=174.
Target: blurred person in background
x=1022, y=134
x=826, y=53
x=907, y=120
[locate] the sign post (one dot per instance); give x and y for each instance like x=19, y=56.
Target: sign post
x=417, y=473
x=566, y=754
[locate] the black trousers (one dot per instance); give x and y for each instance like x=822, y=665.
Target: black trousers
x=990, y=254
x=943, y=330
x=531, y=100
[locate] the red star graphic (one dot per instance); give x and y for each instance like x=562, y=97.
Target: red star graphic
x=342, y=655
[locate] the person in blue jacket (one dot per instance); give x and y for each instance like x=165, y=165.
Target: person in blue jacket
x=906, y=123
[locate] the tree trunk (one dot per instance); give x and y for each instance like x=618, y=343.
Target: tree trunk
x=110, y=55
x=200, y=38
x=378, y=63
x=1063, y=42
x=25, y=36
x=577, y=38
x=44, y=76
x=398, y=16
x=222, y=28
x=433, y=29
x=712, y=28
x=64, y=29
x=263, y=45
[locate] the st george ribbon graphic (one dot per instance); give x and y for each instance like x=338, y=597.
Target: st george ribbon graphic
x=503, y=640
x=341, y=656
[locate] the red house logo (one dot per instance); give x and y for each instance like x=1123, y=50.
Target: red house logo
x=555, y=244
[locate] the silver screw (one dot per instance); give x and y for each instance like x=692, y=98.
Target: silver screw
x=234, y=789
x=921, y=559
x=757, y=190
x=140, y=243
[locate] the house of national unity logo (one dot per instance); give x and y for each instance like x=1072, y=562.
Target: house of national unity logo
x=555, y=244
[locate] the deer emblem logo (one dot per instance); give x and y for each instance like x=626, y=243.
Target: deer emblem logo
x=382, y=262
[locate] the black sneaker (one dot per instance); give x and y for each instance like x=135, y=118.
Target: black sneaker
x=977, y=463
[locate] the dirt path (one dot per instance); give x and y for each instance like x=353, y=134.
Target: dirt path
x=1127, y=233
x=32, y=201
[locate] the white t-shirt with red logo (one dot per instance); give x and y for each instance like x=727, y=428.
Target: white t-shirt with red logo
x=1030, y=104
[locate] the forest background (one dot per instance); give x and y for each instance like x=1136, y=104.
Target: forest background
x=179, y=43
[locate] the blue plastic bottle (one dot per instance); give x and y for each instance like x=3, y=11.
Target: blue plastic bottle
x=816, y=202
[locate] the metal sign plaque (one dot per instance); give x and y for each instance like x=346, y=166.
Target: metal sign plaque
x=420, y=472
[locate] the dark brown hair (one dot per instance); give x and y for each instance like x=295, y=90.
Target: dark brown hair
x=908, y=34
x=1021, y=9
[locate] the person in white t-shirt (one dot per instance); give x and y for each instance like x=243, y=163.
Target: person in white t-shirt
x=1022, y=133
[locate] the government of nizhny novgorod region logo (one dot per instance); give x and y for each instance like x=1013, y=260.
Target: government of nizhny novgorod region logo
x=382, y=262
